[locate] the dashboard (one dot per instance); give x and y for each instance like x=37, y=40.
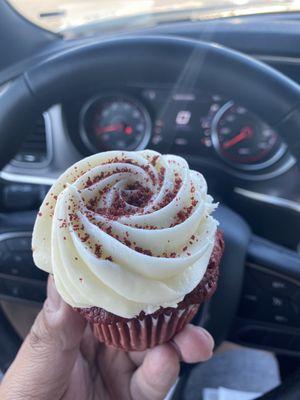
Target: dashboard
x=194, y=123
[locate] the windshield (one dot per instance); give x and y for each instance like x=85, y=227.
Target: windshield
x=67, y=15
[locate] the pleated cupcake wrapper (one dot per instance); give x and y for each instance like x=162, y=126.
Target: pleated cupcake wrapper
x=140, y=335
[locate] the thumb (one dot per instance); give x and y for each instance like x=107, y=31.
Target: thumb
x=45, y=361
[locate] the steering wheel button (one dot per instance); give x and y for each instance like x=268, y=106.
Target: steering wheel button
x=267, y=337
x=21, y=264
x=274, y=284
x=280, y=310
x=15, y=291
x=277, y=301
x=21, y=196
x=17, y=259
x=252, y=298
x=19, y=244
x=18, y=288
x=262, y=304
x=281, y=319
x=278, y=285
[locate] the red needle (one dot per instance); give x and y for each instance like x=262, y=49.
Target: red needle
x=245, y=133
x=128, y=130
x=110, y=128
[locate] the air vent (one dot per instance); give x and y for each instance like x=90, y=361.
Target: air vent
x=34, y=149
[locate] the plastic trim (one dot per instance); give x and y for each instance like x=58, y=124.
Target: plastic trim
x=269, y=199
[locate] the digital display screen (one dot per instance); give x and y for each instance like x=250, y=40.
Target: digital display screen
x=179, y=116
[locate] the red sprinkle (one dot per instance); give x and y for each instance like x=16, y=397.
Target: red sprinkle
x=143, y=251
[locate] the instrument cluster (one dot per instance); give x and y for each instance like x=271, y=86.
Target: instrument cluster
x=188, y=123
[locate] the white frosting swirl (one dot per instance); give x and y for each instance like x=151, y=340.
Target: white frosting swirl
x=126, y=231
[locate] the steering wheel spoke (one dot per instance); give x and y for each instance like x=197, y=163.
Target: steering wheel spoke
x=269, y=311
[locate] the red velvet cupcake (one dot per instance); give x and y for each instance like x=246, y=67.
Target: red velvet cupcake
x=148, y=330
x=131, y=243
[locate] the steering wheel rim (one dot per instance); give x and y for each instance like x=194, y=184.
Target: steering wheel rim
x=184, y=63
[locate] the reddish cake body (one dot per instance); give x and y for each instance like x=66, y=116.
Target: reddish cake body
x=144, y=331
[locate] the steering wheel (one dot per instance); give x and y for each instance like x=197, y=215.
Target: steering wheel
x=185, y=64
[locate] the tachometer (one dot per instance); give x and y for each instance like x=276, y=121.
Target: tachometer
x=115, y=123
x=243, y=139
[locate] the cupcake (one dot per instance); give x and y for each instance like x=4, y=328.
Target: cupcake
x=131, y=243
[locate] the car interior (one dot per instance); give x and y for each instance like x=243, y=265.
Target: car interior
x=219, y=89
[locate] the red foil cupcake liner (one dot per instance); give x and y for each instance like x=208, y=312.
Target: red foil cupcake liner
x=138, y=335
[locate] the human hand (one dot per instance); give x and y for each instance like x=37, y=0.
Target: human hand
x=61, y=360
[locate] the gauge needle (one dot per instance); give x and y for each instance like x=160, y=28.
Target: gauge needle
x=128, y=130
x=245, y=133
x=110, y=128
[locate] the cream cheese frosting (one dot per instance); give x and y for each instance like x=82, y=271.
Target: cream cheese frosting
x=126, y=231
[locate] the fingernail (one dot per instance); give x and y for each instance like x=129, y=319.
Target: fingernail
x=208, y=336
x=53, y=299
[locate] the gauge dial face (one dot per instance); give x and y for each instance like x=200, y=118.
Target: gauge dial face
x=115, y=123
x=243, y=139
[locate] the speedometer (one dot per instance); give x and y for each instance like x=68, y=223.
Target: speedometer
x=243, y=139
x=115, y=123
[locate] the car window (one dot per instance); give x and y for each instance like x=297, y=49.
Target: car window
x=61, y=16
